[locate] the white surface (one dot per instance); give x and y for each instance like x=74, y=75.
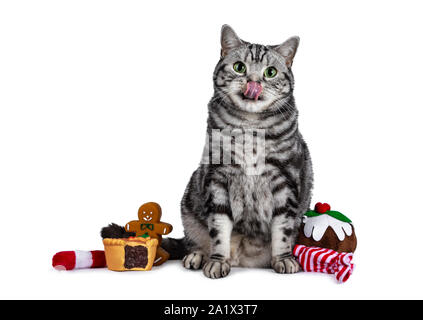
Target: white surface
x=103, y=108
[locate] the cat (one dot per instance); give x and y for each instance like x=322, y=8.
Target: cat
x=233, y=217
x=244, y=208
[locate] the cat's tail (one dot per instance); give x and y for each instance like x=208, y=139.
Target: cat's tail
x=177, y=248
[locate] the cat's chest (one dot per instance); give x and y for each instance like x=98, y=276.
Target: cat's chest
x=251, y=202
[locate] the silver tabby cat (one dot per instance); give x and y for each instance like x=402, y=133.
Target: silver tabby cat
x=233, y=215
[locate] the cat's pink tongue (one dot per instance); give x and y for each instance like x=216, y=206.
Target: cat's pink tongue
x=253, y=90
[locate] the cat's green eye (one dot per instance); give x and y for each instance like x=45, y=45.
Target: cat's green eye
x=270, y=72
x=240, y=67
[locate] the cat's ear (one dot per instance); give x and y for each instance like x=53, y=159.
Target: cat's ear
x=288, y=49
x=228, y=40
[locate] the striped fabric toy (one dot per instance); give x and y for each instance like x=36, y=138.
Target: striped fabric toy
x=70, y=260
x=315, y=259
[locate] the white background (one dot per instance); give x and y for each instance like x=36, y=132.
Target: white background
x=103, y=108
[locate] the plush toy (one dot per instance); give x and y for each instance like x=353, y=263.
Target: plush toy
x=149, y=225
x=133, y=247
x=326, y=242
x=131, y=254
x=69, y=260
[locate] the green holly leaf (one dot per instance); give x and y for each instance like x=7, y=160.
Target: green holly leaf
x=334, y=214
x=312, y=213
x=339, y=216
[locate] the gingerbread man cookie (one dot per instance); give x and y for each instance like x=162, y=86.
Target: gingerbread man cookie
x=149, y=225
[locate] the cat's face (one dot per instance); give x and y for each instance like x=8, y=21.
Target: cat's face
x=255, y=78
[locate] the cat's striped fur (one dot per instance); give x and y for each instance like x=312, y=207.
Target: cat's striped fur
x=230, y=216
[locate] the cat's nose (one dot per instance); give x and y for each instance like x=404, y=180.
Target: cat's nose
x=253, y=90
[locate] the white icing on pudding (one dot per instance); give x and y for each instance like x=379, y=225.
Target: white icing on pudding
x=316, y=226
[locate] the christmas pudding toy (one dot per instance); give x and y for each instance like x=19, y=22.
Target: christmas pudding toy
x=326, y=242
x=135, y=254
x=133, y=247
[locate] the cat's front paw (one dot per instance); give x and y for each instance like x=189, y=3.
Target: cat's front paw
x=216, y=269
x=285, y=265
x=194, y=261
